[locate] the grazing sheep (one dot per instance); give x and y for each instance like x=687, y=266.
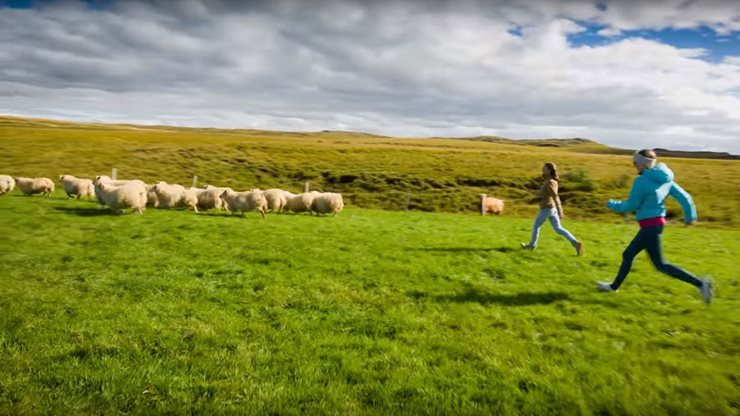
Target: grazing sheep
x=301, y=202
x=118, y=197
x=7, y=184
x=276, y=199
x=253, y=200
x=77, y=186
x=327, y=203
x=210, y=197
x=490, y=205
x=30, y=186
x=175, y=196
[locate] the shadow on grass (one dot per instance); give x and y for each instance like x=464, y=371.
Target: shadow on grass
x=225, y=215
x=464, y=249
x=85, y=212
x=518, y=299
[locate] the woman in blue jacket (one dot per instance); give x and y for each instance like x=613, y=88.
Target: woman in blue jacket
x=647, y=196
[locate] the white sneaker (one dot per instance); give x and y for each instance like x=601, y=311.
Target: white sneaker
x=605, y=286
x=707, y=290
x=527, y=246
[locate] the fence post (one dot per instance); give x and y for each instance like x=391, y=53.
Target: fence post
x=305, y=187
x=113, y=173
x=408, y=200
x=195, y=180
x=482, y=204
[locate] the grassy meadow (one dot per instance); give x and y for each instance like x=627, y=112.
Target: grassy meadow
x=377, y=311
x=371, y=312
x=439, y=175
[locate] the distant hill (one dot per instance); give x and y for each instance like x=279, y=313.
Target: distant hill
x=590, y=146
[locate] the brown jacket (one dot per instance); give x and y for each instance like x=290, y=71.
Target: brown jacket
x=549, y=196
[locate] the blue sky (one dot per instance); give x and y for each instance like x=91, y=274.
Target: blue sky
x=718, y=46
x=412, y=68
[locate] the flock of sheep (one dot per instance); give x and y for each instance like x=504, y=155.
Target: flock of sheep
x=137, y=195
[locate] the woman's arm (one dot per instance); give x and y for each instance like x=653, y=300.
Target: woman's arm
x=632, y=202
x=553, y=191
x=687, y=203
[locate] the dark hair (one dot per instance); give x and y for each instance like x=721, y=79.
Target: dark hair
x=553, y=170
x=650, y=153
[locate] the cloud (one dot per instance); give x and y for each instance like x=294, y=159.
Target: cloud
x=408, y=68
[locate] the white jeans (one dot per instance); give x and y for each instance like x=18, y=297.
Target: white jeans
x=552, y=215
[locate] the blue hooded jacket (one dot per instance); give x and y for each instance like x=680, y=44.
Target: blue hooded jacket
x=648, y=194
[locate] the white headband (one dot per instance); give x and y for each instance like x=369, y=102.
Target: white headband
x=641, y=160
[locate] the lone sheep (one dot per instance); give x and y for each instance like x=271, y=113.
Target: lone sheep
x=490, y=205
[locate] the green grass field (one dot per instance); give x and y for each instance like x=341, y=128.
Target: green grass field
x=371, y=312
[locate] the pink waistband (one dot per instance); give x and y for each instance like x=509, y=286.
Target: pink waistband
x=652, y=222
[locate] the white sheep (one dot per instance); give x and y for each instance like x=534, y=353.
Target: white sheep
x=118, y=197
x=151, y=197
x=78, y=187
x=30, y=186
x=107, y=179
x=301, y=202
x=253, y=200
x=327, y=203
x=174, y=196
x=7, y=184
x=490, y=204
x=276, y=199
x=210, y=197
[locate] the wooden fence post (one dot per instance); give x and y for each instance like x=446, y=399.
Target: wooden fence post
x=195, y=180
x=482, y=204
x=305, y=187
x=113, y=173
x=408, y=200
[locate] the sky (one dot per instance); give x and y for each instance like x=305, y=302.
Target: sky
x=630, y=74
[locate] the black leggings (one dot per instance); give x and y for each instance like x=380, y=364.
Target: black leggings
x=649, y=239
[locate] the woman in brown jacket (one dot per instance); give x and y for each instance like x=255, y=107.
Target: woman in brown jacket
x=551, y=209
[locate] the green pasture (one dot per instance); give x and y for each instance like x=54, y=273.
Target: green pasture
x=371, y=312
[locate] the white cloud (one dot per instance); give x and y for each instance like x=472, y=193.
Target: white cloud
x=395, y=68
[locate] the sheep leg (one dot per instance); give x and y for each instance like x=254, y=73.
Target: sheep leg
x=262, y=211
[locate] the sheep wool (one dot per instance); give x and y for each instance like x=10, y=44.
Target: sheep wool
x=301, y=202
x=77, y=187
x=490, y=205
x=327, y=203
x=253, y=200
x=276, y=199
x=7, y=184
x=30, y=186
x=118, y=197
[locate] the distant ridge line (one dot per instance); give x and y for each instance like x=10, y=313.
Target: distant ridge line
x=588, y=145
